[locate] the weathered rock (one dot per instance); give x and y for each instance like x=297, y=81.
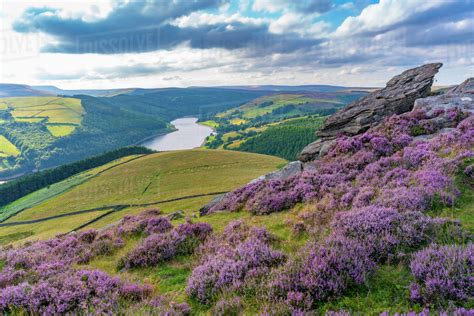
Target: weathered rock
x=176, y=215
x=397, y=97
x=291, y=169
x=461, y=97
x=205, y=209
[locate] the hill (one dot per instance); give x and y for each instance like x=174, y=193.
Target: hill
x=20, y=90
x=130, y=184
x=235, y=126
x=50, y=131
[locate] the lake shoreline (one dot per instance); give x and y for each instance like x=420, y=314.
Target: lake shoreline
x=188, y=134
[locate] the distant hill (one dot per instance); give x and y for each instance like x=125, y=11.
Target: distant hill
x=91, y=92
x=20, y=90
x=277, y=88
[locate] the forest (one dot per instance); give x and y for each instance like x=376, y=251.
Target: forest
x=284, y=140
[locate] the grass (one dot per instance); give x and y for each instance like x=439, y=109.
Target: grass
x=463, y=209
x=56, y=110
x=7, y=149
x=237, y=121
x=48, y=229
x=53, y=190
x=147, y=179
x=386, y=290
x=210, y=123
x=60, y=130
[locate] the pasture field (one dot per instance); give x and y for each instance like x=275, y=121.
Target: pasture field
x=210, y=123
x=7, y=149
x=148, y=179
x=60, y=130
x=53, y=190
x=56, y=110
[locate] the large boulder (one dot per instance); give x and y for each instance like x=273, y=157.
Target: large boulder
x=397, y=97
x=461, y=97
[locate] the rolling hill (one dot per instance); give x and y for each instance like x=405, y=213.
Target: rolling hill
x=129, y=185
x=237, y=125
x=51, y=131
x=20, y=90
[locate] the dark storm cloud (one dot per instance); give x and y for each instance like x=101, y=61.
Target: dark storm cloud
x=136, y=28
x=133, y=14
x=229, y=36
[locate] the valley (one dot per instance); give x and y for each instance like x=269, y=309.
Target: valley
x=232, y=223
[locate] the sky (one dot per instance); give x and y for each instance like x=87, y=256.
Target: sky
x=163, y=43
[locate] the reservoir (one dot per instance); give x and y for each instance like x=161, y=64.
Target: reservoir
x=189, y=134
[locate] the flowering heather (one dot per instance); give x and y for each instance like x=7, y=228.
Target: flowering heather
x=443, y=273
x=385, y=166
x=228, y=307
x=160, y=247
x=324, y=272
x=228, y=262
x=42, y=278
x=385, y=231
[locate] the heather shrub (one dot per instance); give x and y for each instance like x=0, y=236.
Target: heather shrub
x=323, y=272
x=42, y=278
x=385, y=231
x=443, y=273
x=230, y=261
x=160, y=306
x=69, y=292
x=383, y=166
x=157, y=248
x=228, y=307
x=135, y=292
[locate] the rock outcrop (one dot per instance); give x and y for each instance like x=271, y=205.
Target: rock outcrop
x=461, y=97
x=397, y=97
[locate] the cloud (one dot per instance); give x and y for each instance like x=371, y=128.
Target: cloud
x=136, y=28
x=302, y=6
x=388, y=15
x=173, y=78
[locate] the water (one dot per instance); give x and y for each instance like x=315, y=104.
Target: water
x=189, y=135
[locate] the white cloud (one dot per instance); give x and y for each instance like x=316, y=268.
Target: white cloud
x=376, y=17
x=271, y=6
x=299, y=23
x=197, y=19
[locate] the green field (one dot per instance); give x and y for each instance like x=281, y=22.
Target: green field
x=48, y=109
x=148, y=179
x=60, y=130
x=7, y=149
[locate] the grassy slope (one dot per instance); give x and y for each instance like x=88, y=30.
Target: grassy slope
x=54, y=110
x=147, y=179
x=7, y=148
x=53, y=190
x=387, y=289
